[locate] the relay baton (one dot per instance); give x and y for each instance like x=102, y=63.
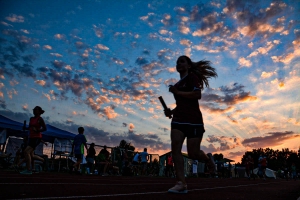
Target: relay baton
x=163, y=104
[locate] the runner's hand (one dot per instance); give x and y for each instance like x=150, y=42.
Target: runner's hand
x=168, y=113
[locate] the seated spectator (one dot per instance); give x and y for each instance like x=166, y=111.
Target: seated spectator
x=90, y=158
x=104, y=159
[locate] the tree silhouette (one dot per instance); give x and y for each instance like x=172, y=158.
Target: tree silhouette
x=275, y=158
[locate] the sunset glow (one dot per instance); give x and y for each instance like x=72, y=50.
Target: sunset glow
x=103, y=64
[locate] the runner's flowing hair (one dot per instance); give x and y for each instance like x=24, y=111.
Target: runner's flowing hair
x=203, y=70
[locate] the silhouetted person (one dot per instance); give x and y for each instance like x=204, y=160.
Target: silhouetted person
x=262, y=165
x=90, y=157
x=169, y=166
x=187, y=119
x=285, y=169
x=105, y=160
x=78, y=148
x=36, y=127
x=229, y=170
x=235, y=171
x=144, y=161
x=250, y=167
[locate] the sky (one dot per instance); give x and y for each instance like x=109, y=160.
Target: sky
x=103, y=64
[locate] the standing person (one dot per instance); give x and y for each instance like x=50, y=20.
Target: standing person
x=285, y=168
x=144, y=161
x=36, y=127
x=250, y=166
x=247, y=167
x=136, y=163
x=235, y=171
x=294, y=171
x=78, y=149
x=229, y=170
x=223, y=170
x=187, y=119
x=169, y=166
x=90, y=157
x=262, y=160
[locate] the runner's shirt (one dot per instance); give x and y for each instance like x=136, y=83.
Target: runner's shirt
x=187, y=110
x=34, y=123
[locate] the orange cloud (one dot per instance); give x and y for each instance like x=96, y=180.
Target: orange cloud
x=109, y=112
x=270, y=139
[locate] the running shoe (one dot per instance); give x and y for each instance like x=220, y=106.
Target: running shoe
x=27, y=172
x=179, y=188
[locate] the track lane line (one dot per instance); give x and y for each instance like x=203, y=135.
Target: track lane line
x=146, y=193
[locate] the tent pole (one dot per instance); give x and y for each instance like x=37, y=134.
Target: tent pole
x=51, y=150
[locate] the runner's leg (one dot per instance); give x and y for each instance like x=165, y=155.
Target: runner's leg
x=28, y=158
x=194, y=152
x=177, y=139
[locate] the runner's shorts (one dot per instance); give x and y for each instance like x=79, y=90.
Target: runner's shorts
x=79, y=156
x=190, y=131
x=34, y=142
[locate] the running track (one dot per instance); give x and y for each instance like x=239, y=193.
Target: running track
x=65, y=186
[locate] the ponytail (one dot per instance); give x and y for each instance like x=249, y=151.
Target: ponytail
x=203, y=70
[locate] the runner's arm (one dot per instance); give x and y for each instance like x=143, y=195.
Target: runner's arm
x=195, y=94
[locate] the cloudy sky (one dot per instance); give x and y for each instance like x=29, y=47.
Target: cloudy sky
x=103, y=64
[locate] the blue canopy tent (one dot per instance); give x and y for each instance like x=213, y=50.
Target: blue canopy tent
x=53, y=132
x=14, y=128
